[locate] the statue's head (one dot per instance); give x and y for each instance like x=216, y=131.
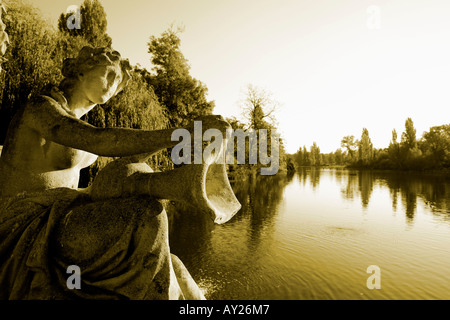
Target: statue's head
x=100, y=72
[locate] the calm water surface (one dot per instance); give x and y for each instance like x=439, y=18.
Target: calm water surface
x=313, y=236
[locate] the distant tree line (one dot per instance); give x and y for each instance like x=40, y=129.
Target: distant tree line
x=430, y=152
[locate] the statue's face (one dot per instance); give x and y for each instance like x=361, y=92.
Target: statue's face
x=101, y=82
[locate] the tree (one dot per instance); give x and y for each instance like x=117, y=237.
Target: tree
x=409, y=136
x=365, y=147
x=410, y=154
x=298, y=157
x=184, y=97
x=259, y=107
x=394, y=150
x=436, y=144
x=301, y=157
x=28, y=65
x=349, y=143
x=338, y=157
x=315, y=158
x=92, y=31
x=235, y=123
x=290, y=167
x=306, y=157
x=93, y=24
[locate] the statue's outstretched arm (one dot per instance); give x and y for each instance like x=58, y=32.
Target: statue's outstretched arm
x=55, y=124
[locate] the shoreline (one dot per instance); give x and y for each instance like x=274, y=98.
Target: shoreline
x=443, y=173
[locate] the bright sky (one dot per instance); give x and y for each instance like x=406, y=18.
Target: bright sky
x=322, y=59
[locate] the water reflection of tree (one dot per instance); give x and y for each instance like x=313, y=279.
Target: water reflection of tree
x=260, y=199
x=365, y=186
x=313, y=173
x=401, y=185
x=302, y=174
x=434, y=191
x=394, y=191
x=358, y=183
x=351, y=187
x=409, y=202
x=315, y=177
x=407, y=188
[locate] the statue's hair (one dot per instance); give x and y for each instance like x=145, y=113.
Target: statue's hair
x=90, y=57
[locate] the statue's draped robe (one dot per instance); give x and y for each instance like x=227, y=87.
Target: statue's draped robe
x=120, y=245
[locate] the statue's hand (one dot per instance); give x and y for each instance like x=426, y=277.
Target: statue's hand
x=211, y=122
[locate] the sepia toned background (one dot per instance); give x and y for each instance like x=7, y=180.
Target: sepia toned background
x=320, y=59
x=358, y=91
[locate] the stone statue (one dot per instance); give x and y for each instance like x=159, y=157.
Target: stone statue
x=4, y=40
x=116, y=230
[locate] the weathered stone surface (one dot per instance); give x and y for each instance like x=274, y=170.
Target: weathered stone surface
x=116, y=230
x=121, y=246
x=4, y=39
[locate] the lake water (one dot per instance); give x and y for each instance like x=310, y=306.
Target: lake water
x=313, y=236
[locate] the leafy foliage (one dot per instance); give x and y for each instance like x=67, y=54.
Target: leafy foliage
x=431, y=152
x=34, y=60
x=365, y=147
x=182, y=95
x=259, y=107
x=93, y=24
x=30, y=65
